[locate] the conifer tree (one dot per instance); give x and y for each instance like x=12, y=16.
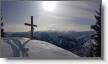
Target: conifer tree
x=2, y=30
x=97, y=36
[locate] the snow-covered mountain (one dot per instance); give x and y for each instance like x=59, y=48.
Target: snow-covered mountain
x=72, y=41
x=24, y=47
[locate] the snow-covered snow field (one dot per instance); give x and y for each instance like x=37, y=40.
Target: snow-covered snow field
x=26, y=48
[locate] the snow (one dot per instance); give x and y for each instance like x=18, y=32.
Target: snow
x=5, y=49
x=24, y=47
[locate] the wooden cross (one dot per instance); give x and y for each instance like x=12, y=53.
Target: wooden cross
x=32, y=25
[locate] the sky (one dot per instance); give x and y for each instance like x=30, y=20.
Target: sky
x=49, y=15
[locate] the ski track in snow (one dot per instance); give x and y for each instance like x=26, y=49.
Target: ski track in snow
x=24, y=47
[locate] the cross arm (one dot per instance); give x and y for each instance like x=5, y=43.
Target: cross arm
x=30, y=24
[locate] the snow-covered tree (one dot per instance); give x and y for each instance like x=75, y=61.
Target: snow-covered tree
x=97, y=36
x=2, y=29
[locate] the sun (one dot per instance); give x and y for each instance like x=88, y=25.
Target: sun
x=49, y=5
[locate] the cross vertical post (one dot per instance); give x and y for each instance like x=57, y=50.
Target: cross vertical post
x=32, y=27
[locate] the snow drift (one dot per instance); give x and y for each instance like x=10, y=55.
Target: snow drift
x=24, y=47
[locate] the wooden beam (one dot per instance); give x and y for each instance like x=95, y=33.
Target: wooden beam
x=30, y=24
x=32, y=27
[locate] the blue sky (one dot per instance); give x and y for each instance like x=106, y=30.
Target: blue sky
x=66, y=16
